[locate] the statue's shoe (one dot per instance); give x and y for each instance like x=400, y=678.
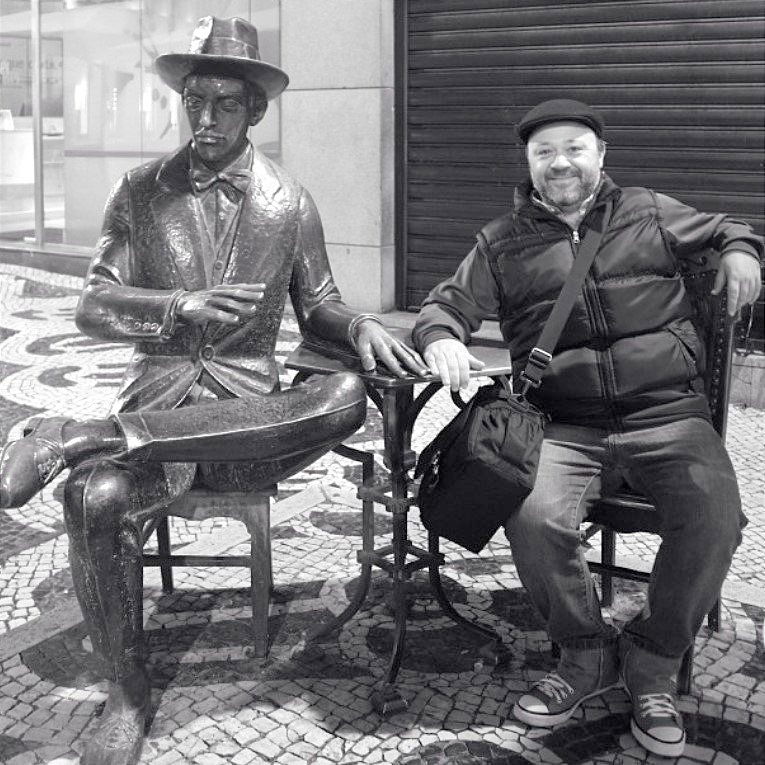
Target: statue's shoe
x=31, y=462
x=118, y=739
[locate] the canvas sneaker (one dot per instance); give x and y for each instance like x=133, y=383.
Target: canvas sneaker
x=656, y=723
x=580, y=675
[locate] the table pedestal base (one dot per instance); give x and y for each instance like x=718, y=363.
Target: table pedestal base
x=400, y=560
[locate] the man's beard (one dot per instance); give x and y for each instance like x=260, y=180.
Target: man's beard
x=572, y=194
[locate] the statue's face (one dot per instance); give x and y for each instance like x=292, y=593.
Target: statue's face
x=565, y=162
x=219, y=112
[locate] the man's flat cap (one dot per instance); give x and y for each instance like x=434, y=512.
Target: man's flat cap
x=559, y=110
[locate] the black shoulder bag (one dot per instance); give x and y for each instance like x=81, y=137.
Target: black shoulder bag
x=483, y=464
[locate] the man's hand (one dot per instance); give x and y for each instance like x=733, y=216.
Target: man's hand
x=227, y=304
x=451, y=361
x=741, y=273
x=373, y=340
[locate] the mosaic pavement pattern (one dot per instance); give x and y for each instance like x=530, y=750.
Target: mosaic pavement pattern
x=213, y=703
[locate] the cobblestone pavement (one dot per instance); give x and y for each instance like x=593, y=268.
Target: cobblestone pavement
x=311, y=703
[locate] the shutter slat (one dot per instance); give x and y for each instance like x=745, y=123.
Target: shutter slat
x=724, y=51
x=593, y=76
x=451, y=16
x=423, y=93
x=706, y=120
x=587, y=34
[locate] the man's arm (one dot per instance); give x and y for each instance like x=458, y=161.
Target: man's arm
x=109, y=307
x=453, y=310
x=321, y=312
x=741, y=251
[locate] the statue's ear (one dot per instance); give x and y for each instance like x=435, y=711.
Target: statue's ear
x=258, y=110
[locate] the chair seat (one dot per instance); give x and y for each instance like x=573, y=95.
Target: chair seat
x=626, y=513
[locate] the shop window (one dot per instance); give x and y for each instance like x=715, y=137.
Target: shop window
x=17, y=200
x=103, y=108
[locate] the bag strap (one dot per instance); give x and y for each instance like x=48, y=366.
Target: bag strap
x=541, y=353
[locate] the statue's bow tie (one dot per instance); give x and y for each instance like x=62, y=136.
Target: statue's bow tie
x=239, y=179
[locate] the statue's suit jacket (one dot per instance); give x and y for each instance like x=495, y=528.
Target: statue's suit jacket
x=150, y=251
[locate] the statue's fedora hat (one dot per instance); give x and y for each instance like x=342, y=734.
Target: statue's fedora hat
x=227, y=47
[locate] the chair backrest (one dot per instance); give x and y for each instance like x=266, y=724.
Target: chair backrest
x=715, y=328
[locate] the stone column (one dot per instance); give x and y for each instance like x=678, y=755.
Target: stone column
x=338, y=134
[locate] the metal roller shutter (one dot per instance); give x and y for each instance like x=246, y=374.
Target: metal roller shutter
x=680, y=84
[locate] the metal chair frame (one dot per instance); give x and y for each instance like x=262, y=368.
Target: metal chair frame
x=627, y=512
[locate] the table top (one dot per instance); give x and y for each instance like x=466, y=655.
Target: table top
x=314, y=360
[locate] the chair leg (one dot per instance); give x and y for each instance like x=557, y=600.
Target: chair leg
x=163, y=544
x=607, y=557
x=685, y=672
x=260, y=576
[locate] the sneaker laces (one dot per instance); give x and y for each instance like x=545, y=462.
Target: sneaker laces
x=553, y=685
x=657, y=705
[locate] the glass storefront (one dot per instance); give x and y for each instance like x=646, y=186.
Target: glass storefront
x=80, y=104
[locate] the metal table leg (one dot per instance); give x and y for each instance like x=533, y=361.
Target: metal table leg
x=398, y=459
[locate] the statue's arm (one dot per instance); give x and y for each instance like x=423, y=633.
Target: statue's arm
x=111, y=308
x=319, y=309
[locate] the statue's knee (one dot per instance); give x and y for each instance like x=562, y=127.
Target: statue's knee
x=95, y=498
x=351, y=385
x=351, y=394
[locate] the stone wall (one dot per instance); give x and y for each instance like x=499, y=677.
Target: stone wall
x=338, y=134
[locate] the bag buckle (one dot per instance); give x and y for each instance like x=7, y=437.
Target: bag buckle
x=538, y=362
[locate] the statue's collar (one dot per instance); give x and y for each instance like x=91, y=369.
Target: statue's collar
x=174, y=172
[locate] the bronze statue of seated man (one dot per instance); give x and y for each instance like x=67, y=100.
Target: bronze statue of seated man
x=198, y=253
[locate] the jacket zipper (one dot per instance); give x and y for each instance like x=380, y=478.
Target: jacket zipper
x=592, y=303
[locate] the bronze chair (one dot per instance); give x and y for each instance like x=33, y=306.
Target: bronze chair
x=626, y=512
x=251, y=508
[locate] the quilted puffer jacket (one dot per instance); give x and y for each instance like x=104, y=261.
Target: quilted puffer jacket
x=629, y=355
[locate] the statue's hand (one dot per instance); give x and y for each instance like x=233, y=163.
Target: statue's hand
x=226, y=303
x=373, y=340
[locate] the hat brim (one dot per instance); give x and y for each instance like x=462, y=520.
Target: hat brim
x=174, y=68
x=525, y=131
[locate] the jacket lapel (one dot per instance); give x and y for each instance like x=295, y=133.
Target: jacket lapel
x=261, y=229
x=177, y=220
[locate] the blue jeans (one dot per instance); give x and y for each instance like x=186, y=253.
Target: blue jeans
x=683, y=468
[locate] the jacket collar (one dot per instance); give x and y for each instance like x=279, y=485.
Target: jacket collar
x=523, y=203
x=173, y=173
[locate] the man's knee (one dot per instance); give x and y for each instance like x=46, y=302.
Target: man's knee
x=96, y=496
x=540, y=521
x=722, y=524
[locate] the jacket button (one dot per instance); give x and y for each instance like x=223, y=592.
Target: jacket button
x=207, y=352
x=217, y=265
